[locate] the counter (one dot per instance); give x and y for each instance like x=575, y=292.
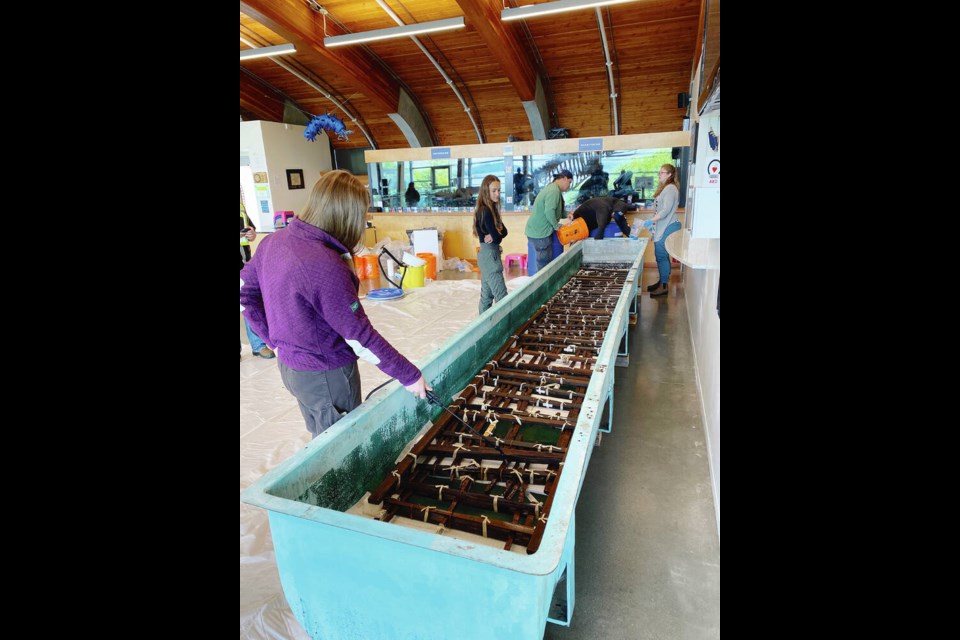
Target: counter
x=458, y=239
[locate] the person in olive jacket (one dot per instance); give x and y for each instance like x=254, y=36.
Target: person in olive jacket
x=546, y=216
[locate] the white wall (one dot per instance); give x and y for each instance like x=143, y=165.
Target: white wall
x=700, y=290
x=273, y=148
x=251, y=148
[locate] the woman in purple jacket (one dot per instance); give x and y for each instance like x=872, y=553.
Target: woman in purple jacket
x=300, y=295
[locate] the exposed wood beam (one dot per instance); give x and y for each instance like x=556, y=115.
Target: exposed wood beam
x=296, y=22
x=257, y=99
x=510, y=52
x=503, y=43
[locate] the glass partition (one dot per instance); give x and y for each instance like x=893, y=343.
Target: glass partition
x=451, y=184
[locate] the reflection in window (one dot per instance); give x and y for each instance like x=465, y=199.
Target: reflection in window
x=451, y=184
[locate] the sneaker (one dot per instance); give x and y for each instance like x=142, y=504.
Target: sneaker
x=266, y=352
x=654, y=286
x=660, y=292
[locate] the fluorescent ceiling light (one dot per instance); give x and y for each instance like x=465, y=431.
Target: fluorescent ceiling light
x=263, y=52
x=559, y=6
x=394, y=32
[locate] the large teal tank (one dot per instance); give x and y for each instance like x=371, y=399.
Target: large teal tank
x=350, y=577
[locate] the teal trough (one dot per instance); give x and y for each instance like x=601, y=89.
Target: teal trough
x=346, y=576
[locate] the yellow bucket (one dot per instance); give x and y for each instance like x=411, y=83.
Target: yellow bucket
x=576, y=230
x=413, y=276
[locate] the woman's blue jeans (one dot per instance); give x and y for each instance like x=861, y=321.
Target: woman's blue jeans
x=255, y=342
x=660, y=250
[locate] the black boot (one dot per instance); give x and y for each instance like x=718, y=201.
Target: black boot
x=662, y=291
x=654, y=286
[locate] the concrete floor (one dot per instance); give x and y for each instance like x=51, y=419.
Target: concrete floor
x=647, y=549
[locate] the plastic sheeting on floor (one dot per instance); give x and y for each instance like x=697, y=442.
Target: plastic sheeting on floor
x=272, y=429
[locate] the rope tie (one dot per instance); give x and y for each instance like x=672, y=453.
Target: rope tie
x=441, y=529
x=460, y=447
x=380, y=514
x=475, y=391
x=517, y=418
x=531, y=476
x=536, y=505
x=492, y=420
x=394, y=473
x=518, y=474
x=440, y=488
x=484, y=522
x=495, y=498
x=542, y=519
x=414, y=456
x=539, y=447
x=455, y=469
x=426, y=513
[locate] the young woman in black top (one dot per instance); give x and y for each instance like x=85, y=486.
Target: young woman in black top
x=489, y=228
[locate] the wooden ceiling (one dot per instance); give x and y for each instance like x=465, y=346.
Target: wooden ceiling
x=652, y=44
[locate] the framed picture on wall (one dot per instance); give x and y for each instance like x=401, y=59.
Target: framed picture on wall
x=295, y=178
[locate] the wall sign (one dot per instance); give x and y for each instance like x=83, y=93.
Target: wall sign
x=591, y=144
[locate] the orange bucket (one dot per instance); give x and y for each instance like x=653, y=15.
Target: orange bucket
x=431, y=267
x=371, y=268
x=576, y=230
x=358, y=266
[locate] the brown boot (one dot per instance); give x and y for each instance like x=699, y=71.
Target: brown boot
x=662, y=291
